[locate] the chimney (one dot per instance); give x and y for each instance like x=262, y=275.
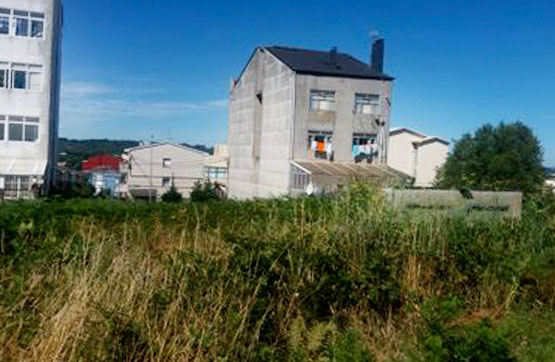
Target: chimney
x=378, y=52
x=333, y=56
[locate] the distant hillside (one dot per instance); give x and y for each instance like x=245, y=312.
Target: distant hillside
x=75, y=151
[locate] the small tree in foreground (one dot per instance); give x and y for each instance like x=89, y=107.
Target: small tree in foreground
x=206, y=191
x=506, y=157
x=172, y=195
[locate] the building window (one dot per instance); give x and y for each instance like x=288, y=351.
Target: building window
x=166, y=162
x=21, y=76
x=367, y=104
x=166, y=181
x=22, y=128
x=15, y=132
x=23, y=23
x=216, y=173
x=364, y=147
x=299, y=179
x=319, y=144
x=29, y=24
x=2, y=127
x=4, y=21
x=321, y=100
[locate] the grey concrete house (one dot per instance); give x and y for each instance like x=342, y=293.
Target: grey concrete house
x=302, y=119
x=30, y=66
x=150, y=170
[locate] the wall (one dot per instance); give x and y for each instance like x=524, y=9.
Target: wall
x=431, y=156
x=259, y=134
x=402, y=155
x=342, y=122
x=187, y=167
x=45, y=103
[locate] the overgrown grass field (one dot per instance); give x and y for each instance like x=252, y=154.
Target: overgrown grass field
x=317, y=279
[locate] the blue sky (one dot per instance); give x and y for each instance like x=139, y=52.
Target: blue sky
x=133, y=68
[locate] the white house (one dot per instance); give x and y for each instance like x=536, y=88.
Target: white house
x=30, y=66
x=216, y=166
x=417, y=155
x=150, y=170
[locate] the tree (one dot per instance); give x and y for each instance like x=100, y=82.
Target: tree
x=172, y=196
x=502, y=158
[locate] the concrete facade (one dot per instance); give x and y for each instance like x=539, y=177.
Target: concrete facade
x=30, y=67
x=270, y=120
x=417, y=155
x=153, y=169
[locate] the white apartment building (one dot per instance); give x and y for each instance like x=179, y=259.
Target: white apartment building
x=417, y=155
x=30, y=67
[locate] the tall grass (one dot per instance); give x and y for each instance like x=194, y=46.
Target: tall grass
x=330, y=279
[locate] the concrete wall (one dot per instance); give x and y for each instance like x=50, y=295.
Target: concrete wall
x=187, y=167
x=259, y=135
x=44, y=104
x=343, y=122
x=431, y=156
x=402, y=152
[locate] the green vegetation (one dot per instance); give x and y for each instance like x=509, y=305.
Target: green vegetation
x=172, y=195
x=504, y=158
x=343, y=278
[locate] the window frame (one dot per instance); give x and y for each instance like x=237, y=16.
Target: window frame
x=25, y=123
x=31, y=17
x=319, y=97
x=29, y=70
x=166, y=162
x=166, y=181
x=367, y=99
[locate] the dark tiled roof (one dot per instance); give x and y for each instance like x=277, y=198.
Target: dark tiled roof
x=320, y=63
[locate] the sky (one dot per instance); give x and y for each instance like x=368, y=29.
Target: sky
x=136, y=69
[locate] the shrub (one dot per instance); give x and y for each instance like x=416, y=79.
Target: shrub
x=205, y=191
x=447, y=340
x=172, y=196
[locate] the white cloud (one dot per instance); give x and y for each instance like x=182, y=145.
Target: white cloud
x=83, y=102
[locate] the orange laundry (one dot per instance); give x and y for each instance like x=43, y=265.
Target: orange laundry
x=321, y=146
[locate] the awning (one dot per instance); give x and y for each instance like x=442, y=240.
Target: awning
x=334, y=173
x=22, y=167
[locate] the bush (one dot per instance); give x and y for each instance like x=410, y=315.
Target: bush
x=447, y=339
x=172, y=196
x=205, y=191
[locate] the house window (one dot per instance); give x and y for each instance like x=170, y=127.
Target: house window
x=166, y=181
x=22, y=128
x=299, y=179
x=364, y=147
x=166, y=162
x=321, y=100
x=216, y=173
x=367, y=103
x=319, y=144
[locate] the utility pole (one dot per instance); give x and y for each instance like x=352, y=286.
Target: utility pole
x=151, y=166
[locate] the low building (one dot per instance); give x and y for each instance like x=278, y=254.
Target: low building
x=103, y=173
x=216, y=166
x=151, y=170
x=417, y=155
